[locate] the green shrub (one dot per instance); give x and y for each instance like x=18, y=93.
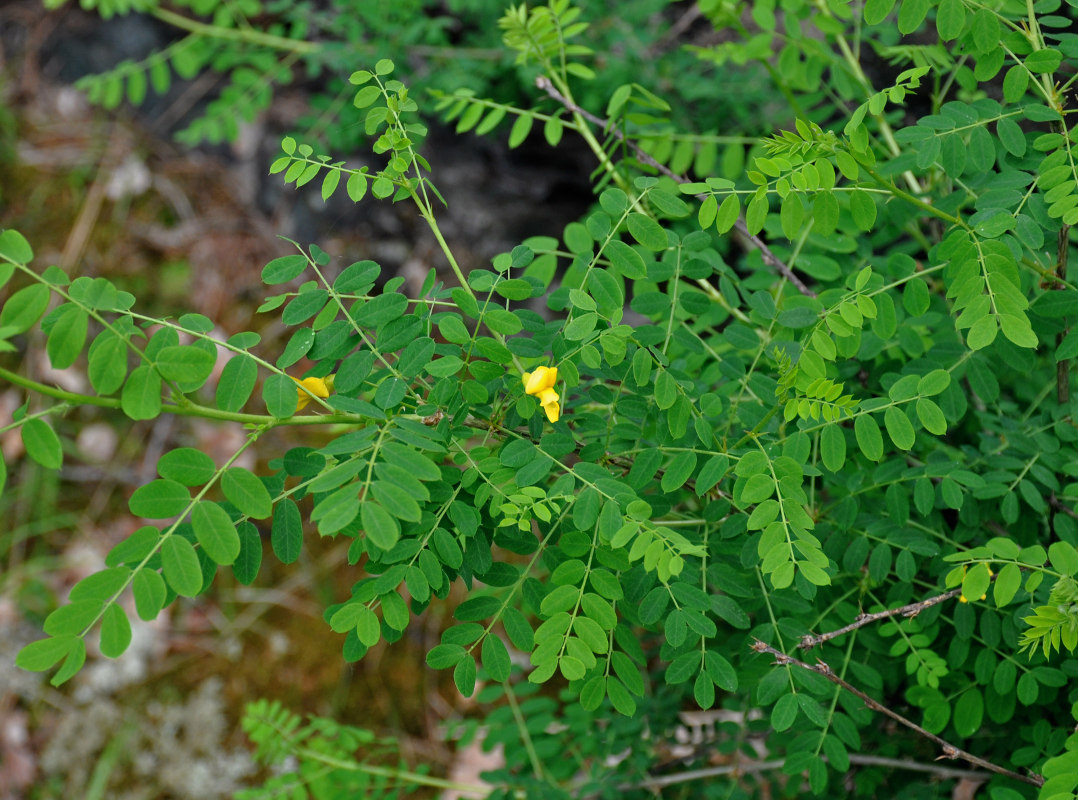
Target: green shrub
x=815, y=397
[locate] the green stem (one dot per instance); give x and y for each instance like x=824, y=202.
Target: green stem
x=859, y=74
x=432, y=223
x=774, y=623
x=48, y=412
x=191, y=410
x=388, y=772
x=246, y=35
x=580, y=122
x=251, y=439
x=525, y=737
x=757, y=428
x=74, y=398
x=913, y=199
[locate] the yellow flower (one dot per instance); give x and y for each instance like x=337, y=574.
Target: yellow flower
x=319, y=387
x=542, y=378
x=540, y=384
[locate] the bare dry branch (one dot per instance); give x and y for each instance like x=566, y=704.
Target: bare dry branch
x=749, y=767
x=948, y=749
x=809, y=641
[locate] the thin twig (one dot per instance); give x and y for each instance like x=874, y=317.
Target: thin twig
x=769, y=257
x=808, y=641
x=755, y=767
x=673, y=33
x=1059, y=505
x=949, y=750
x=916, y=766
x=740, y=768
x=1063, y=368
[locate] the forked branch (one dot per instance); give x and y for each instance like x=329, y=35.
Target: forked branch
x=948, y=749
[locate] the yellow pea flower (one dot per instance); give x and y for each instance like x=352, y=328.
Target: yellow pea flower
x=319, y=387
x=540, y=384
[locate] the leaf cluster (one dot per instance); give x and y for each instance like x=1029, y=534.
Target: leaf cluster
x=799, y=398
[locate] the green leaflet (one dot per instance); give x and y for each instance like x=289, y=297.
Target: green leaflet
x=42, y=444
x=180, y=566
x=245, y=491
x=141, y=398
x=160, y=499
x=287, y=531
x=215, y=532
x=236, y=384
x=187, y=466
x=115, y=632
x=23, y=309
x=184, y=364
x=14, y=247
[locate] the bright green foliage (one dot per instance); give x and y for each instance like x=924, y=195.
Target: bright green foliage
x=319, y=756
x=859, y=403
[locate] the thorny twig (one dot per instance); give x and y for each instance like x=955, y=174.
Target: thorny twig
x=769, y=257
x=949, y=750
x=808, y=641
x=745, y=767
